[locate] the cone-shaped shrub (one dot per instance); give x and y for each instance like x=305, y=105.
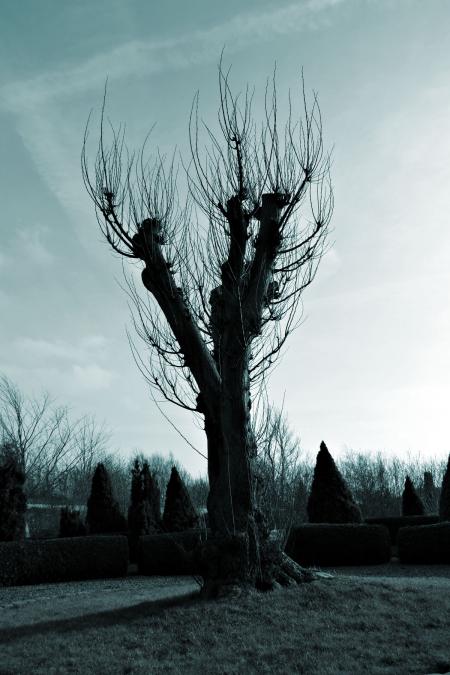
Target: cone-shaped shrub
x=411, y=503
x=143, y=513
x=429, y=492
x=137, y=513
x=136, y=484
x=152, y=496
x=444, y=499
x=330, y=500
x=179, y=513
x=103, y=513
x=70, y=523
x=13, y=503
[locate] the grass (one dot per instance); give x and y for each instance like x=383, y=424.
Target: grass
x=345, y=625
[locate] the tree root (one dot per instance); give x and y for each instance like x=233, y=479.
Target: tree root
x=227, y=572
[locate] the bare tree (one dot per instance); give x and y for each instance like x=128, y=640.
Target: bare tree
x=49, y=446
x=90, y=442
x=278, y=470
x=377, y=480
x=224, y=273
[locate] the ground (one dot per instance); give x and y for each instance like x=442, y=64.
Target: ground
x=384, y=619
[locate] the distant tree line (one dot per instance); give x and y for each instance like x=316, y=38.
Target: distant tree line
x=43, y=456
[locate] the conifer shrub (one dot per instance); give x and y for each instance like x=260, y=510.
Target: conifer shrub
x=169, y=553
x=425, y=544
x=72, y=559
x=429, y=493
x=103, y=512
x=70, y=523
x=444, y=499
x=330, y=500
x=411, y=503
x=143, y=513
x=137, y=516
x=395, y=523
x=339, y=544
x=179, y=513
x=13, y=503
x=152, y=495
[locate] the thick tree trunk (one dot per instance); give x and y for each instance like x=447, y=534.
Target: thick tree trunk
x=233, y=555
x=239, y=553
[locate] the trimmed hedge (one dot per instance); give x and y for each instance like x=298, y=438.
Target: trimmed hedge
x=427, y=544
x=394, y=523
x=339, y=544
x=71, y=559
x=169, y=553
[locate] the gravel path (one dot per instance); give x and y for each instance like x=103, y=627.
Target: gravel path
x=394, y=569
x=396, y=574
x=27, y=605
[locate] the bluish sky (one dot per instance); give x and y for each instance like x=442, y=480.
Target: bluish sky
x=369, y=369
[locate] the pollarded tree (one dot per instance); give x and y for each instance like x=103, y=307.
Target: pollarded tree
x=224, y=277
x=444, y=499
x=412, y=505
x=330, y=500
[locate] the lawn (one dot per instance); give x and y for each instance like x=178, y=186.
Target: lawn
x=344, y=625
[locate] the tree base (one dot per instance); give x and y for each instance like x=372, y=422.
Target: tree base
x=231, y=569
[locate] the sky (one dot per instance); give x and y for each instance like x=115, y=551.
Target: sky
x=369, y=368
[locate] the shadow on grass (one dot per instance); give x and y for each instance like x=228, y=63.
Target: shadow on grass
x=99, y=619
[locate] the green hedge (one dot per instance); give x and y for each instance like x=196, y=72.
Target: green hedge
x=71, y=559
x=169, y=553
x=427, y=544
x=394, y=523
x=344, y=544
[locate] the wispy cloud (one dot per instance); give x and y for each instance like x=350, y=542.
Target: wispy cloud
x=40, y=349
x=32, y=244
x=40, y=107
x=40, y=104
x=93, y=376
x=81, y=358
x=138, y=58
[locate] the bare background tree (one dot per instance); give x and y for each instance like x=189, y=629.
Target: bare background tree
x=55, y=453
x=224, y=271
x=282, y=472
x=377, y=481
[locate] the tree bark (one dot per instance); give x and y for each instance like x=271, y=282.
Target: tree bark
x=239, y=553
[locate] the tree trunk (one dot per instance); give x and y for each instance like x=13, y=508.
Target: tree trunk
x=239, y=553
x=232, y=556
